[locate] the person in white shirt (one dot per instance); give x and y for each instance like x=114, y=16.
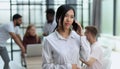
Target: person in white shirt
x=10, y=30
x=50, y=24
x=61, y=49
x=96, y=55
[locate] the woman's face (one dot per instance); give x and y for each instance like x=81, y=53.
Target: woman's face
x=68, y=19
x=32, y=31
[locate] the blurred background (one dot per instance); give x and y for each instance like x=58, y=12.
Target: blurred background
x=104, y=14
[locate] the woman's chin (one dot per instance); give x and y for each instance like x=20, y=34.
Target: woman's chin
x=67, y=28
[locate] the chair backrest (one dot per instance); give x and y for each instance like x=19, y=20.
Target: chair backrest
x=34, y=50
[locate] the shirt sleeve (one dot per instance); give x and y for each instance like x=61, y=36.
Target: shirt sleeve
x=84, y=48
x=9, y=27
x=48, y=60
x=17, y=30
x=96, y=52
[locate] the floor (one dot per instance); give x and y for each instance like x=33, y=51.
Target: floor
x=115, y=58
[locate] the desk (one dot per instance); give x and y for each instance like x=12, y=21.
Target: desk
x=34, y=62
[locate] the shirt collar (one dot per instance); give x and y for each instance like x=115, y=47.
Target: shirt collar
x=62, y=38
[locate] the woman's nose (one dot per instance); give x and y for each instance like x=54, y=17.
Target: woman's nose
x=68, y=19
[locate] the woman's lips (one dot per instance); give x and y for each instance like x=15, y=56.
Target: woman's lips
x=67, y=24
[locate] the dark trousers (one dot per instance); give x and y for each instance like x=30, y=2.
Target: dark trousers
x=5, y=57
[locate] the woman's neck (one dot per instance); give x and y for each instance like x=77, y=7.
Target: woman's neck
x=64, y=33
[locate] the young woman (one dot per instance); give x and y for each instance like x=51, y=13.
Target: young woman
x=61, y=48
x=30, y=36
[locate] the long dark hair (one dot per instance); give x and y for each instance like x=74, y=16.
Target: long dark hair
x=60, y=14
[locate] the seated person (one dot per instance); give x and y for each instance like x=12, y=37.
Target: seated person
x=95, y=59
x=30, y=36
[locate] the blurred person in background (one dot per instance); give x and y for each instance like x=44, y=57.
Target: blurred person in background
x=50, y=24
x=10, y=30
x=95, y=59
x=31, y=36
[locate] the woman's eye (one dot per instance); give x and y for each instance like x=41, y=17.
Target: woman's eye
x=66, y=15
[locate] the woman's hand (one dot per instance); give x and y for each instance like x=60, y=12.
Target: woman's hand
x=81, y=60
x=74, y=66
x=79, y=28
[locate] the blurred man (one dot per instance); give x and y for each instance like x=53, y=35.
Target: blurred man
x=96, y=55
x=10, y=30
x=50, y=24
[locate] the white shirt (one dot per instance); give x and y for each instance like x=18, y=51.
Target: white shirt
x=61, y=53
x=49, y=27
x=4, y=32
x=97, y=53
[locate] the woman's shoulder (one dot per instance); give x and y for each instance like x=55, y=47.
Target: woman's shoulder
x=50, y=36
x=49, y=39
x=24, y=37
x=75, y=34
